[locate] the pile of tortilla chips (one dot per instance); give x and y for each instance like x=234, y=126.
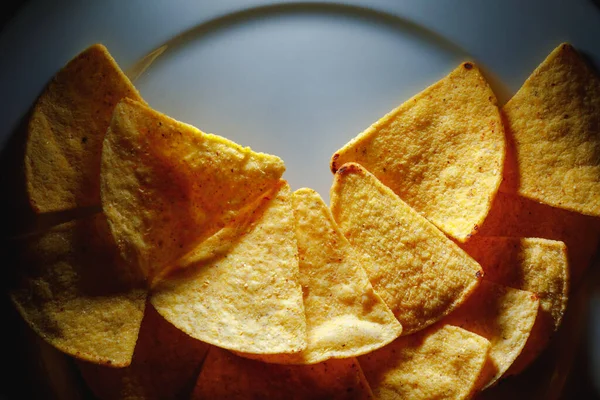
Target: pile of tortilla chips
x=444, y=263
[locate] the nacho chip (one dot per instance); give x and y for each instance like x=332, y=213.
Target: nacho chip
x=76, y=294
x=537, y=265
x=227, y=376
x=66, y=129
x=520, y=217
x=415, y=268
x=441, y=362
x=553, y=123
x=503, y=315
x=442, y=151
x=166, y=186
x=165, y=365
x=344, y=316
x=249, y=299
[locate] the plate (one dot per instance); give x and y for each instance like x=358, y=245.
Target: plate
x=293, y=79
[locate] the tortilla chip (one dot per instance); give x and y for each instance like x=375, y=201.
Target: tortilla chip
x=503, y=315
x=442, y=151
x=249, y=299
x=553, y=123
x=165, y=365
x=537, y=265
x=66, y=129
x=344, y=316
x=75, y=293
x=420, y=273
x=227, y=376
x=519, y=217
x=441, y=362
x=166, y=186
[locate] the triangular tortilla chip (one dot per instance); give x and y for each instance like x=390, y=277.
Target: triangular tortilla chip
x=442, y=151
x=520, y=217
x=537, y=265
x=75, y=292
x=165, y=365
x=503, y=315
x=249, y=299
x=166, y=186
x=66, y=130
x=227, y=376
x=344, y=316
x=420, y=273
x=553, y=126
x=441, y=362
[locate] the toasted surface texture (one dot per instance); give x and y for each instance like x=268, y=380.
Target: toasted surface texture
x=537, y=265
x=442, y=151
x=503, y=315
x=75, y=292
x=516, y=216
x=248, y=299
x=553, y=124
x=344, y=316
x=166, y=186
x=166, y=363
x=441, y=362
x=227, y=376
x=420, y=274
x=66, y=129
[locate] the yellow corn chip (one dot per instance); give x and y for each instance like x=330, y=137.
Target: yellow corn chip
x=75, y=293
x=442, y=151
x=66, y=129
x=441, y=362
x=420, y=273
x=165, y=365
x=166, y=186
x=227, y=376
x=553, y=123
x=248, y=299
x=519, y=217
x=537, y=265
x=344, y=316
x=503, y=315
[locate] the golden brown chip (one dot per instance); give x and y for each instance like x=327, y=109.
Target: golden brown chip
x=442, y=151
x=166, y=186
x=66, y=129
x=553, y=123
x=503, y=315
x=519, y=217
x=420, y=274
x=344, y=316
x=537, y=265
x=441, y=362
x=76, y=294
x=248, y=299
x=227, y=376
x=165, y=365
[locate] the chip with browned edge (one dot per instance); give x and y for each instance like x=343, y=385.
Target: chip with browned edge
x=227, y=376
x=344, y=316
x=420, y=273
x=166, y=186
x=553, y=123
x=537, y=265
x=66, y=130
x=248, y=299
x=165, y=365
x=517, y=216
x=503, y=315
x=442, y=151
x=441, y=362
x=77, y=294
